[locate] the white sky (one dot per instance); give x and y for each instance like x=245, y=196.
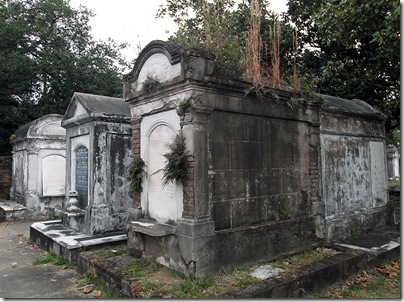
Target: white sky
x=134, y=21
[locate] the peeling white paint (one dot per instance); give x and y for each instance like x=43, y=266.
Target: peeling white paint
x=161, y=202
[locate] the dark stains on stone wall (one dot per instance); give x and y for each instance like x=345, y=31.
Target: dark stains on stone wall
x=258, y=168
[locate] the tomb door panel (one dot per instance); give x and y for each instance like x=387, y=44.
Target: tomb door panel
x=162, y=199
x=81, y=176
x=53, y=175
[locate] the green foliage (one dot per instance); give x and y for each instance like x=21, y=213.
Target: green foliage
x=141, y=267
x=6, y=161
x=51, y=258
x=184, y=105
x=150, y=84
x=393, y=138
x=193, y=288
x=176, y=168
x=108, y=253
x=46, y=54
x=354, y=50
x=136, y=173
x=149, y=288
x=222, y=28
x=86, y=278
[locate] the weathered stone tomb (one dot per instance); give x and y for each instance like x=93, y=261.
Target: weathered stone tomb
x=98, y=139
x=39, y=157
x=393, y=163
x=353, y=167
x=270, y=172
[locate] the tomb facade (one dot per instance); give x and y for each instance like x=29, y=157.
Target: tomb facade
x=260, y=183
x=98, y=139
x=39, y=159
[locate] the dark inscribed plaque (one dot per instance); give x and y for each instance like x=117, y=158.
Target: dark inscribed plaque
x=82, y=176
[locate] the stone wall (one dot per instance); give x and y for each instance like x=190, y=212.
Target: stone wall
x=258, y=169
x=259, y=165
x=354, y=176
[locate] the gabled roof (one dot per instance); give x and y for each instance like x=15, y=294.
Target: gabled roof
x=84, y=107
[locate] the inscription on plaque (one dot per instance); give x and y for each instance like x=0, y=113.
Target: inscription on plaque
x=82, y=176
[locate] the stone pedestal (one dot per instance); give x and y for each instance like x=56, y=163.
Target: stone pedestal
x=184, y=247
x=74, y=219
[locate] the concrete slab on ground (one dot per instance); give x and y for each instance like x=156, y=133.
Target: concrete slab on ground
x=20, y=279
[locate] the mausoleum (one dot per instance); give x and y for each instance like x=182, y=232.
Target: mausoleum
x=39, y=157
x=269, y=172
x=98, y=154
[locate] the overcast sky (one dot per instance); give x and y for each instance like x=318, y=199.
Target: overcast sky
x=134, y=21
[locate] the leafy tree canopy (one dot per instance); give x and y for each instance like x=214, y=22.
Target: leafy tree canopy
x=345, y=48
x=46, y=54
x=356, y=45
x=221, y=26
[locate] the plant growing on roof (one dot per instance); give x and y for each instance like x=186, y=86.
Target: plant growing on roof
x=150, y=84
x=176, y=168
x=136, y=173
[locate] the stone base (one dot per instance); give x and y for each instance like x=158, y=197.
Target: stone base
x=345, y=226
x=53, y=236
x=74, y=219
x=197, y=250
x=10, y=211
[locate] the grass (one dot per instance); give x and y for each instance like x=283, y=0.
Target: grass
x=108, y=253
x=51, y=258
x=381, y=282
x=393, y=183
x=90, y=281
x=290, y=264
x=154, y=280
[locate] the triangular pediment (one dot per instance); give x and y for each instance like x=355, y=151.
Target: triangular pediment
x=75, y=112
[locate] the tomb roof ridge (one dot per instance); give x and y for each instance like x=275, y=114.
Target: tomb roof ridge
x=25, y=130
x=100, y=104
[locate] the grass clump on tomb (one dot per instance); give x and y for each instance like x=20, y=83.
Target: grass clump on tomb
x=108, y=253
x=51, y=258
x=150, y=84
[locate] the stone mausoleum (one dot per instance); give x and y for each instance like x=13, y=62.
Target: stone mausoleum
x=39, y=156
x=97, y=187
x=270, y=172
x=98, y=136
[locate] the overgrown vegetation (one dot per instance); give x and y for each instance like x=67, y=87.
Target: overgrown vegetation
x=153, y=280
x=51, y=258
x=150, y=84
x=176, y=168
x=136, y=171
x=111, y=252
x=317, y=46
x=89, y=284
x=382, y=282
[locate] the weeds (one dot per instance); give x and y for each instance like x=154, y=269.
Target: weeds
x=51, y=258
x=380, y=282
x=150, y=84
x=108, y=253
